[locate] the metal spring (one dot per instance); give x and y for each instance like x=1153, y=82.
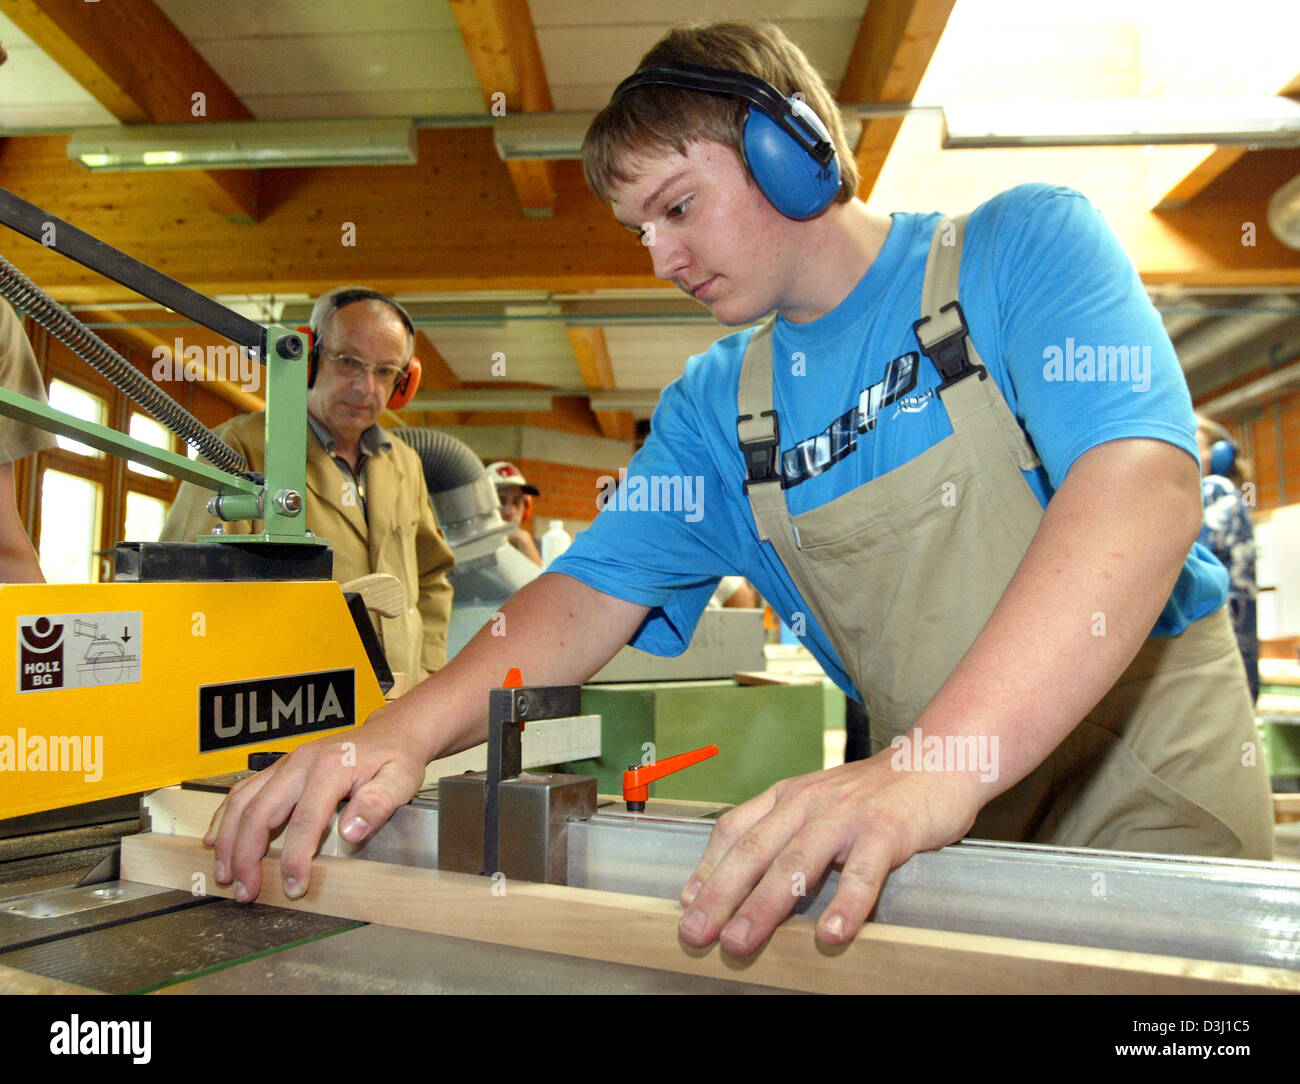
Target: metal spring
x=88, y=346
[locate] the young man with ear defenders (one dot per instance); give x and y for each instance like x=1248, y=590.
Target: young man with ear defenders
x=366, y=492
x=991, y=554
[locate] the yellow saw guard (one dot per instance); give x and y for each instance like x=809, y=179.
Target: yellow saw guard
x=110, y=689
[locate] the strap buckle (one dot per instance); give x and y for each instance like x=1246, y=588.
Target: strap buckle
x=948, y=353
x=761, y=454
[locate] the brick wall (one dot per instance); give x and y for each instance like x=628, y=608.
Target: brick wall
x=1271, y=439
x=1274, y=460
x=568, y=492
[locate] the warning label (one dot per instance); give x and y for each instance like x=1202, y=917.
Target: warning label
x=73, y=651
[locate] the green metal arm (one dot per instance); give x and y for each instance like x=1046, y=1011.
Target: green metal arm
x=46, y=417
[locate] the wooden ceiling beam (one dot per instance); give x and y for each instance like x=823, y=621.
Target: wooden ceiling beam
x=502, y=44
x=434, y=371
x=134, y=61
x=444, y=225
x=1211, y=167
x=895, y=42
x=591, y=350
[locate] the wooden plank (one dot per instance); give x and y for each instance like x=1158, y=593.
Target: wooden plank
x=895, y=42
x=140, y=67
x=1279, y=671
x=502, y=45
x=770, y=677
x=1286, y=808
x=643, y=931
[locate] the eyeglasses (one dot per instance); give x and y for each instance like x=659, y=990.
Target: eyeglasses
x=354, y=368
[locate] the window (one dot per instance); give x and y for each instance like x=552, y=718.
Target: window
x=80, y=404
x=71, y=519
x=78, y=502
x=148, y=431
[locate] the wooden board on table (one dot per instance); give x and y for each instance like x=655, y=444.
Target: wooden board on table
x=1278, y=704
x=643, y=931
x=545, y=742
x=770, y=677
x=1279, y=672
x=1286, y=808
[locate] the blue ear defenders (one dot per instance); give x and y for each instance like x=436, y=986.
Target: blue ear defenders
x=788, y=149
x=1223, y=457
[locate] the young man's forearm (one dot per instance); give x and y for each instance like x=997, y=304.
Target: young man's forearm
x=556, y=631
x=1099, y=571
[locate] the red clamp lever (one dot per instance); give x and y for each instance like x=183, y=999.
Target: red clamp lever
x=637, y=780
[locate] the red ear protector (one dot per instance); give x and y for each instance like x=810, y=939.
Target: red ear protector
x=408, y=383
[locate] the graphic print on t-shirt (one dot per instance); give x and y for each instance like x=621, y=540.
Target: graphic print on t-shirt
x=811, y=456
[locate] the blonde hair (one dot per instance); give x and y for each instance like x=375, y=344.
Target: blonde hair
x=1242, y=471
x=662, y=118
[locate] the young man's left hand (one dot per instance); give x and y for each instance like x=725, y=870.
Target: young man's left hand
x=866, y=816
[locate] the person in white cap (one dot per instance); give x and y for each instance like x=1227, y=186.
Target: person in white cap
x=516, y=497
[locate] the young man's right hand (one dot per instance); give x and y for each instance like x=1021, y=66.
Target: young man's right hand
x=377, y=767
x=556, y=630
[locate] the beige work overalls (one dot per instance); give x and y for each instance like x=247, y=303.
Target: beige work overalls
x=903, y=572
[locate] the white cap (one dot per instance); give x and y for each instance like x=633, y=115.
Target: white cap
x=507, y=474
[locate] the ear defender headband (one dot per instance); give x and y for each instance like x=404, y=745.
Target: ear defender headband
x=787, y=147
x=408, y=383
x=1223, y=457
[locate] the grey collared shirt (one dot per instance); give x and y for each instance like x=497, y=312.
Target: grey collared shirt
x=373, y=441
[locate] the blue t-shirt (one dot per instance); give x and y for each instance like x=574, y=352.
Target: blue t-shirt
x=1057, y=313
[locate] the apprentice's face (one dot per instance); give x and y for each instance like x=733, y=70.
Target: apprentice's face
x=513, y=502
x=369, y=331
x=715, y=235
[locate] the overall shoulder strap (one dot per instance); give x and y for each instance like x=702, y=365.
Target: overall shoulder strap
x=942, y=332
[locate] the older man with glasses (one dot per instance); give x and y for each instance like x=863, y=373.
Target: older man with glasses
x=366, y=492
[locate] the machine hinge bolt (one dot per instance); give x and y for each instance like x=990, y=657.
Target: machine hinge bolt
x=289, y=347
x=288, y=502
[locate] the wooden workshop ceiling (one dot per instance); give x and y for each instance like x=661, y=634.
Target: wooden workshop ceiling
x=517, y=261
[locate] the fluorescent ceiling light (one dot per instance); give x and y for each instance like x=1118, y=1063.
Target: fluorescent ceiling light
x=558, y=136
x=1104, y=122
x=250, y=144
